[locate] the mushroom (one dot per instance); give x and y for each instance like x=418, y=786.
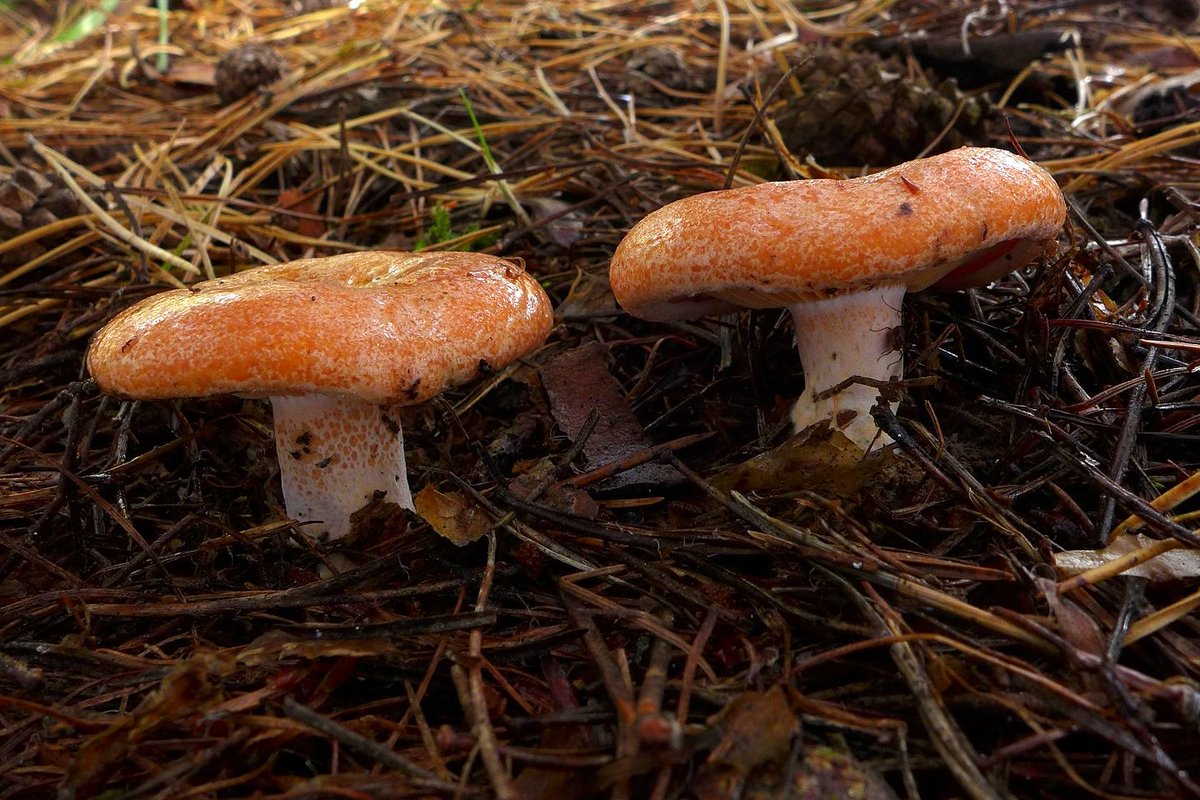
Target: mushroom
x=840, y=254
x=337, y=344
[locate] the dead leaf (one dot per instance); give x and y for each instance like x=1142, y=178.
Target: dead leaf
x=304, y=218
x=1162, y=104
x=757, y=729
x=276, y=646
x=379, y=520
x=451, y=515
x=1075, y=624
x=559, y=496
x=578, y=383
x=565, y=229
x=1171, y=565
x=818, y=458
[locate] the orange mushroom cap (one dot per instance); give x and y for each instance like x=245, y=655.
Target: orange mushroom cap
x=385, y=327
x=973, y=213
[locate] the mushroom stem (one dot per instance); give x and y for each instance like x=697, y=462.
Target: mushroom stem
x=849, y=335
x=335, y=454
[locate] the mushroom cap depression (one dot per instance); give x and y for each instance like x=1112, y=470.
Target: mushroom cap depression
x=386, y=327
x=963, y=218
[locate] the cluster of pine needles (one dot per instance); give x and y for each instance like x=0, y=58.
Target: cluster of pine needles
x=695, y=619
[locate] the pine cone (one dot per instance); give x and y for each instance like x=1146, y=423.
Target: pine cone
x=246, y=69
x=28, y=201
x=860, y=108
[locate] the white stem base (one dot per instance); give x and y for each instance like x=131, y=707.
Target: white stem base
x=841, y=337
x=335, y=454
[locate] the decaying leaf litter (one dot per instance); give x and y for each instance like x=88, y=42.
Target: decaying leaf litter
x=751, y=616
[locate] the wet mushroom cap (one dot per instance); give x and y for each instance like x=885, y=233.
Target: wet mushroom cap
x=386, y=327
x=973, y=210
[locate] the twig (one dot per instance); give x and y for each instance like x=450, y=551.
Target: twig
x=956, y=750
x=365, y=746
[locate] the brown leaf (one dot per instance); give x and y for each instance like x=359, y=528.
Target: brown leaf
x=757, y=729
x=578, y=383
x=275, y=646
x=300, y=202
x=451, y=515
x=818, y=458
x=1075, y=624
x=561, y=497
x=565, y=227
x=1171, y=565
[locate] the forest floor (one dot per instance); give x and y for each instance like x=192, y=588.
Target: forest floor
x=712, y=609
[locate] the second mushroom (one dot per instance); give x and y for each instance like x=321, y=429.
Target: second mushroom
x=840, y=255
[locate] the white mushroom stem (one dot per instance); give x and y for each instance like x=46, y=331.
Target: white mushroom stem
x=849, y=335
x=335, y=454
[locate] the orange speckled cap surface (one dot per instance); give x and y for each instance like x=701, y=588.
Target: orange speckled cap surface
x=388, y=327
x=775, y=243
